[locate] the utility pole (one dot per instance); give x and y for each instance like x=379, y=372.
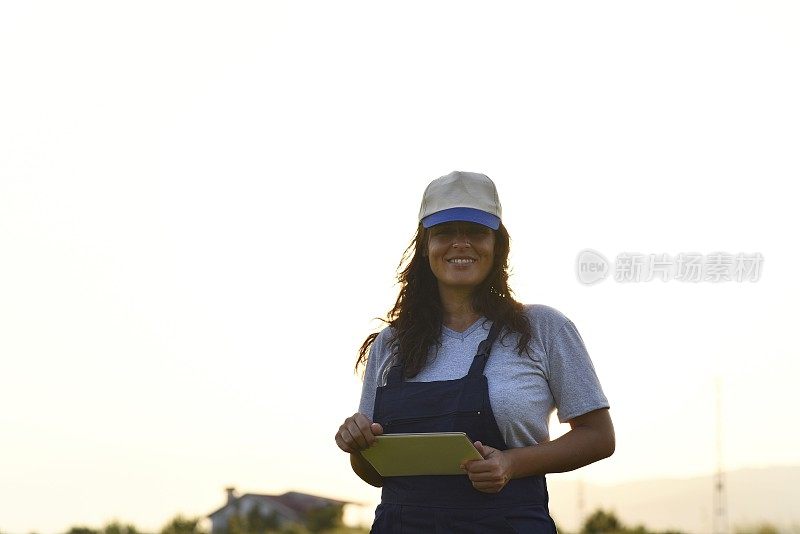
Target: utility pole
x=720, y=505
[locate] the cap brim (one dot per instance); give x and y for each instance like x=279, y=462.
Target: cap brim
x=462, y=214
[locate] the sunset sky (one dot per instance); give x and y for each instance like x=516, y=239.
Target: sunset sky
x=203, y=205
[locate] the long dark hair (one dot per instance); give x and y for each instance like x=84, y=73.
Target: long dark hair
x=417, y=315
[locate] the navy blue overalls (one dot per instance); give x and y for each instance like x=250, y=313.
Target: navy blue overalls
x=449, y=503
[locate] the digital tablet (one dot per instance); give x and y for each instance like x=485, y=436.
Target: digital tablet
x=436, y=453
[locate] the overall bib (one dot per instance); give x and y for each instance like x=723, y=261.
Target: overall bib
x=449, y=503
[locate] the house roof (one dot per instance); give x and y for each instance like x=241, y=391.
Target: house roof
x=294, y=503
x=303, y=502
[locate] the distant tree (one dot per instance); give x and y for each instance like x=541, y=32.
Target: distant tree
x=182, y=525
x=115, y=527
x=762, y=528
x=82, y=530
x=324, y=518
x=602, y=522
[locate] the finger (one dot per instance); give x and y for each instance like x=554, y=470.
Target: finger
x=341, y=443
x=479, y=466
x=376, y=428
x=469, y=465
x=355, y=433
x=485, y=450
x=359, y=426
x=486, y=476
x=365, y=427
x=353, y=437
x=493, y=484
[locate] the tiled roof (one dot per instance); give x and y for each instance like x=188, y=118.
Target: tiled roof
x=294, y=502
x=303, y=502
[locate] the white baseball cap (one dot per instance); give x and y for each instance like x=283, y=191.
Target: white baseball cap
x=461, y=196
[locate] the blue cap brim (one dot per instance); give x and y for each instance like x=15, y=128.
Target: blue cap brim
x=462, y=214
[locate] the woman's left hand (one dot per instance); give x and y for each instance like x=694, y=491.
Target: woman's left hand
x=491, y=474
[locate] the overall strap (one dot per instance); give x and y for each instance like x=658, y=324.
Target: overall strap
x=395, y=375
x=485, y=347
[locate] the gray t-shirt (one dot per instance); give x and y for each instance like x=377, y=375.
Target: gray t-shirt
x=523, y=390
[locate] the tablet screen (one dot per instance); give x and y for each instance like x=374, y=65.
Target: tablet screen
x=437, y=453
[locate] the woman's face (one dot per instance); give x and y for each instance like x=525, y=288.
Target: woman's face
x=461, y=254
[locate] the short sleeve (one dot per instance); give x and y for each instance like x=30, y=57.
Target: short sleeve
x=370, y=384
x=572, y=378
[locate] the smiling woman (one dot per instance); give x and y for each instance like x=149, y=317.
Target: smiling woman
x=461, y=254
x=430, y=370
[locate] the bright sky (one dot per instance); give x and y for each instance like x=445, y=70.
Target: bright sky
x=202, y=208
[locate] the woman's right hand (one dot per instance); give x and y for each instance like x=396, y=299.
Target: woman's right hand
x=357, y=433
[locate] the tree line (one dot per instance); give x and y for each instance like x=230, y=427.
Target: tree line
x=329, y=522
x=606, y=522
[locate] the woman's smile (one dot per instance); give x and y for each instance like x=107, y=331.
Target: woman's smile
x=462, y=261
x=461, y=253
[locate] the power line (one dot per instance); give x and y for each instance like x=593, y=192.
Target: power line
x=720, y=505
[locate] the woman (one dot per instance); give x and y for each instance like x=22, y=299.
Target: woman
x=460, y=354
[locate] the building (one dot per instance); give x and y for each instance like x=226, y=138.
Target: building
x=291, y=507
